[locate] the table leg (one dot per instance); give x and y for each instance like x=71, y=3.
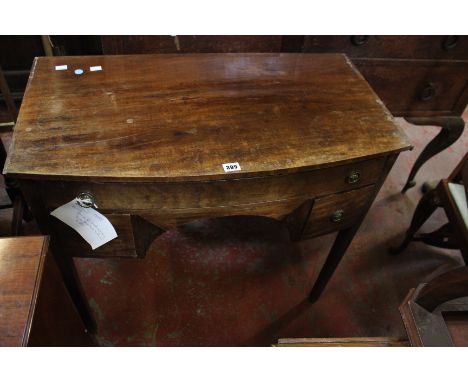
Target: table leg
x=451, y=129
x=342, y=241
x=344, y=238
x=72, y=282
x=64, y=261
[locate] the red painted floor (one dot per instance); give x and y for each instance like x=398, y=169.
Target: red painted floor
x=239, y=281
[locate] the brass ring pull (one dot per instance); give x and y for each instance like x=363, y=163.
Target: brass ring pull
x=450, y=42
x=337, y=216
x=428, y=92
x=353, y=177
x=359, y=40
x=86, y=199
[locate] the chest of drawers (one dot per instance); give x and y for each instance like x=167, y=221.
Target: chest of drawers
x=421, y=78
x=147, y=137
x=415, y=76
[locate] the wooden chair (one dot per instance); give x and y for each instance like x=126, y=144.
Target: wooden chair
x=20, y=209
x=436, y=312
x=451, y=195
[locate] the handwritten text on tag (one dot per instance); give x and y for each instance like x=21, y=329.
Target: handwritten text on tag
x=90, y=224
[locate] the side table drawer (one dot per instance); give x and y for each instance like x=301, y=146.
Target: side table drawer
x=72, y=243
x=133, y=197
x=335, y=212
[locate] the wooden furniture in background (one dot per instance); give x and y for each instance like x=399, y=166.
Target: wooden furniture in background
x=436, y=312
x=35, y=307
x=449, y=195
x=9, y=101
x=17, y=55
x=421, y=78
x=342, y=342
x=147, y=137
x=20, y=210
x=200, y=44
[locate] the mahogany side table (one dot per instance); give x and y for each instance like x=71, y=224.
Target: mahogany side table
x=147, y=136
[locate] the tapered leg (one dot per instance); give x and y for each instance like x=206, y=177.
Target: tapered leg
x=344, y=238
x=72, y=282
x=342, y=241
x=452, y=129
x=63, y=260
x=18, y=213
x=425, y=208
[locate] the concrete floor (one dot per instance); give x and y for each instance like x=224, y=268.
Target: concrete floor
x=239, y=281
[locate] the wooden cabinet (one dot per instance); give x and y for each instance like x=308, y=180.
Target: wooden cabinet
x=35, y=307
x=147, y=137
x=414, y=75
x=430, y=87
x=422, y=78
x=391, y=47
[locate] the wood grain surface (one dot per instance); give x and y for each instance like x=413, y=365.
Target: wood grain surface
x=180, y=117
x=351, y=204
x=21, y=261
x=342, y=342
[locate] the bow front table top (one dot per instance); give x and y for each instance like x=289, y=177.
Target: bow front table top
x=160, y=140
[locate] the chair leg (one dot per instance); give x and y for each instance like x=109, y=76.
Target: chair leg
x=443, y=237
x=451, y=129
x=425, y=208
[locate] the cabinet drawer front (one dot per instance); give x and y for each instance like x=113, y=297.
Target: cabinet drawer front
x=134, y=197
x=412, y=88
x=338, y=211
x=406, y=47
x=70, y=241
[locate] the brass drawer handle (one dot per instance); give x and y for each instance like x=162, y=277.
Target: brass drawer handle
x=450, y=42
x=337, y=216
x=428, y=92
x=353, y=177
x=86, y=199
x=359, y=40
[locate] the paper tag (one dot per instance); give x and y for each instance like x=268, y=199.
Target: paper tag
x=90, y=224
x=61, y=67
x=228, y=167
x=95, y=68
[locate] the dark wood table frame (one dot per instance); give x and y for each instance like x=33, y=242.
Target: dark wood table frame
x=147, y=137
